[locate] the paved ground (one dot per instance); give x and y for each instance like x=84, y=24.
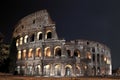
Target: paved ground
x=11, y=77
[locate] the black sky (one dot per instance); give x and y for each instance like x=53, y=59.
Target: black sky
x=97, y=20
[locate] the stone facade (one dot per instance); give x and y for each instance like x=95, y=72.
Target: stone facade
x=42, y=53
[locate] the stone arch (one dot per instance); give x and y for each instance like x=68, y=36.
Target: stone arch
x=94, y=70
x=49, y=34
x=32, y=37
x=69, y=53
x=24, y=54
x=57, y=70
x=88, y=55
x=47, y=52
x=57, y=51
x=68, y=70
x=26, y=39
x=77, y=53
x=38, y=52
x=18, y=69
x=30, y=69
x=38, y=69
x=47, y=69
x=17, y=42
x=19, y=55
x=39, y=35
x=30, y=54
x=78, y=70
x=21, y=40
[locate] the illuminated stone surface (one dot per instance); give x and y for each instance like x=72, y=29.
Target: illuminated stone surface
x=42, y=53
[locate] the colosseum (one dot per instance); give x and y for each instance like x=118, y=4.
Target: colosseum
x=42, y=53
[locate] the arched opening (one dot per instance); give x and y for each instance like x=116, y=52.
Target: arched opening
x=93, y=57
x=98, y=70
x=47, y=70
x=22, y=72
x=21, y=40
x=49, y=35
x=57, y=51
x=94, y=71
x=17, y=42
x=26, y=39
x=30, y=54
x=78, y=71
x=24, y=54
x=57, y=70
x=18, y=69
x=77, y=53
x=39, y=35
x=38, y=69
x=29, y=70
x=68, y=69
x=38, y=52
x=19, y=55
x=98, y=58
x=32, y=38
x=88, y=55
x=47, y=52
x=69, y=53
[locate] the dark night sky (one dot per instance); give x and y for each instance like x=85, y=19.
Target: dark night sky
x=97, y=20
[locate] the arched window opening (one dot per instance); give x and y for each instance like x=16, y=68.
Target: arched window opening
x=26, y=39
x=77, y=53
x=32, y=38
x=94, y=71
x=19, y=55
x=39, y=35
x=88, y=55
x=38, y=52
x=18, y=69
x=30, y=54
x=21, y=40
x=98, y=70
x=47, y=70
x=78, y=71
x=38, y=69
x=57, y=51
x=98, y=58
x=57, y=70
x=69, y=53
x=93, y=49
x=105, y=59
x=24, y=54
x=30, y=70
x=108, y=61
x=68, y=70
x=93, y=57
x=22, y=72
x=47, y=52
x=17, y=42
x=49, y=35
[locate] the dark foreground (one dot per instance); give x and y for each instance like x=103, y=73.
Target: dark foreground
x=11, y=77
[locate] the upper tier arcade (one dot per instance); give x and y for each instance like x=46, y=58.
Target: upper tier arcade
x=36, y=22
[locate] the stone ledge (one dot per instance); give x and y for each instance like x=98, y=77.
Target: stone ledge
x=10, y=77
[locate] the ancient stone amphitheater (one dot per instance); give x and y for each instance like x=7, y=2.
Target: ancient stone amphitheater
x=42, y=53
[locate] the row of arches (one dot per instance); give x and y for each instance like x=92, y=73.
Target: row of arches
x=23, y=54
x=48, y=70
x=31, y=37
x=38, y=52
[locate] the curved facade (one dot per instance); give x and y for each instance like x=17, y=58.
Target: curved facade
x=42, y=53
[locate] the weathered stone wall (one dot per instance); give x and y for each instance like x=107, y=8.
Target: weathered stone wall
x=42, y=53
